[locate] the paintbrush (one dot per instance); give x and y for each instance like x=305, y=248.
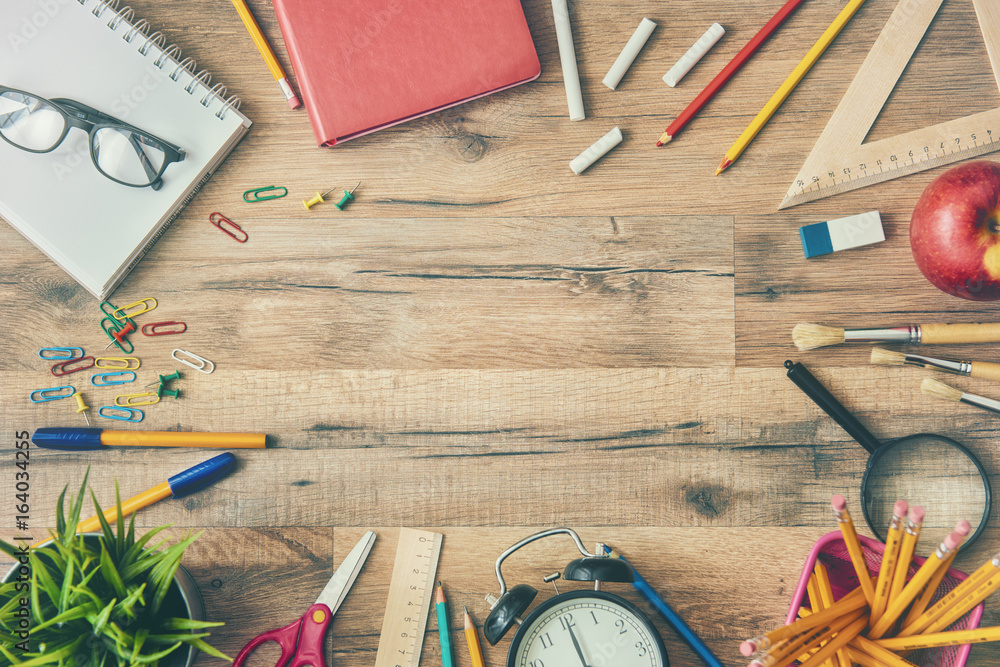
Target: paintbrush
x=932, y=387
x=976, y=369
x=811, y=336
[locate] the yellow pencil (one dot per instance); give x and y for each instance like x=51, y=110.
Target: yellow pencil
x=952, y=638
x=840, y=640
x=265, y=50
x=472, y=639
x=889, y=555
x=988, y=569
x=880, y=653
x=786, y=88
x=985, y=589
x=898, y=606
x=862, y=658
x=914, y=520
x=853, y=547
x=826, y=597
x=852, y=601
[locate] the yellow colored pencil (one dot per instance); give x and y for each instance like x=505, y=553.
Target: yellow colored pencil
x=786, y=88
x=472, y=639
x=265, y=50
x=893, y=540
x=826, y=597
x=952, y=638
x=853, y=544
x=912, y=589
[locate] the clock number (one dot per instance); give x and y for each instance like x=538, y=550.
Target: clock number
x=566, y=620
x=593, y=616
x=536, y=663
x=620, y=624
x=546, y=640
x=641, y=648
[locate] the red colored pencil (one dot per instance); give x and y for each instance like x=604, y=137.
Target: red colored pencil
x=729, y=70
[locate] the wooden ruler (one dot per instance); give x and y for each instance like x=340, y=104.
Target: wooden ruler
x=840, y=161
x=410, y=595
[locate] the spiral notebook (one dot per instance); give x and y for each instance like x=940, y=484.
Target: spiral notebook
x=83, y=50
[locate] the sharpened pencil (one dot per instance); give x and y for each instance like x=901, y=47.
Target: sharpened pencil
x=472, y=639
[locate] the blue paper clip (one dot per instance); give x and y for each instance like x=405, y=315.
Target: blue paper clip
x=61, y=353
x=108, y=379
x=43, y=395
x=120, y=413
x=250, y=196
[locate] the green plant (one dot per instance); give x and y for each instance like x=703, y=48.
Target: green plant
x=96, y=602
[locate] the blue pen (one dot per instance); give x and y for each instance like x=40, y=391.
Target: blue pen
x=181, y=484
x=675, y=621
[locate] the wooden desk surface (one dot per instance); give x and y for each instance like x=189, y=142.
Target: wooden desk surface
x=485, y=343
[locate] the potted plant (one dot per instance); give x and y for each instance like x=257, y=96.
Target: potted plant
x=100, y=599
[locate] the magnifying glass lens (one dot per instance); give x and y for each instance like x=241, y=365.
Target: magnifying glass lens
x=932, y=472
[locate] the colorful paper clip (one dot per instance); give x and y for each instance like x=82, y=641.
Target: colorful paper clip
x=131, y=400
x=60, y=353
x=231, y=227
x=72, y=366
x=109, y=309
x=109, y=379
x=125, y=345
x=120, y=336
x=121, y=314
x=263, y=194
x=117, y=363
x=163, y=328
x=193, y=360
x=50, y=394
x=123, y=414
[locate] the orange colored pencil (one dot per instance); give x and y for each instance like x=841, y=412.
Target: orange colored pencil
x=472, y=639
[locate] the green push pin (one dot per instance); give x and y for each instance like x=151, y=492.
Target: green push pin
x=162, y=391
x=348, y=196
x=176, y=375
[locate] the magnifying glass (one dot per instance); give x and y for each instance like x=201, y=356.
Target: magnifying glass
x=923, y=469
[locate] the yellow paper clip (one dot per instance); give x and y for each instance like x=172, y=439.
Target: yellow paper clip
x=132, y=400
x=118, y=363
x=120, y=313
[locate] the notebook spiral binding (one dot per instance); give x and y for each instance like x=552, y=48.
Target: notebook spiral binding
x=169, y=56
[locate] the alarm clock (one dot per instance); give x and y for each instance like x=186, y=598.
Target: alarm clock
x=580, y=628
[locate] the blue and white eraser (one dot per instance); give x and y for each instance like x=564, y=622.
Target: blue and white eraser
x=855, y=230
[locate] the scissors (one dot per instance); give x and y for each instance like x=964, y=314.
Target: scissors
x=303, y=639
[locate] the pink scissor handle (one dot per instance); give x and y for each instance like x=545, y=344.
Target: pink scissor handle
x=302, y=639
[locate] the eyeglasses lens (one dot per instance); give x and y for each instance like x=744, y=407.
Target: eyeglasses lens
x=30, y=122
x=127, y=156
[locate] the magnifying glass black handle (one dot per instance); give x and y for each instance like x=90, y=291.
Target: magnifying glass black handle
x=812, y=388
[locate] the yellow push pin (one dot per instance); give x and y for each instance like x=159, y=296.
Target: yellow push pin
x=82, y=407
x=309, y=203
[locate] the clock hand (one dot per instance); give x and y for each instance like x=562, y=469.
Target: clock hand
x=576, y=645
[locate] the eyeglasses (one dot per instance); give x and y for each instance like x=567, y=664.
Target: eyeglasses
x=121, y=152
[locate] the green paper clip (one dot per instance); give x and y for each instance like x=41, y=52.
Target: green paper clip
x=254, y=195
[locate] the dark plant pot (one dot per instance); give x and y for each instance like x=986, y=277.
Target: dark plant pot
x=183, y=601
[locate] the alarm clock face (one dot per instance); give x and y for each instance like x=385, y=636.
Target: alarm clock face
x=587, y=629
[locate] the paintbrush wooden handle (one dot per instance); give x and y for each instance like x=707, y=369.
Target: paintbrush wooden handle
x=959, y=333
x=985, y=370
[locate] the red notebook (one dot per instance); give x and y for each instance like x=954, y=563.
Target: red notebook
x=363, y=65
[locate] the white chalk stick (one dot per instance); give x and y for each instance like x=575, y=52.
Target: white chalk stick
x=628, y=54
x=567, y=56
x=694, y=54
x=596, y=150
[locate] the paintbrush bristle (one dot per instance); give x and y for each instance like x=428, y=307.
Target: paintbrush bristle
x=886, y=357
x=811, y=336
x=933, y=387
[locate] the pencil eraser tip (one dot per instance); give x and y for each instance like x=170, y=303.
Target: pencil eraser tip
x=294, y=102
x=839, y=502
x=916, y=514
x=952, y=541
x=899, y=509
x=963, y=528
x=748, y=648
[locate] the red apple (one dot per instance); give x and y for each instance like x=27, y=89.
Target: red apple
x=955, y=231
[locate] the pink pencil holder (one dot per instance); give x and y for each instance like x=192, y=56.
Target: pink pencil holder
x=832, y=552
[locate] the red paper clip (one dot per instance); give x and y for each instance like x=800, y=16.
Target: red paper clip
x=221, y=219
x=168, y=328
x=67, y=367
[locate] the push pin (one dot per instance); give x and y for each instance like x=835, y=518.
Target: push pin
x=319, y=198
x=176, y=375
x=120, y=334
x=162, y=391
x=82, y=407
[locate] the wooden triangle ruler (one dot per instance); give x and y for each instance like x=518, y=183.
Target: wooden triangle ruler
x=840, y=161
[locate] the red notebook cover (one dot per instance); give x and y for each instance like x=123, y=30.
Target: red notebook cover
x=363, y=65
